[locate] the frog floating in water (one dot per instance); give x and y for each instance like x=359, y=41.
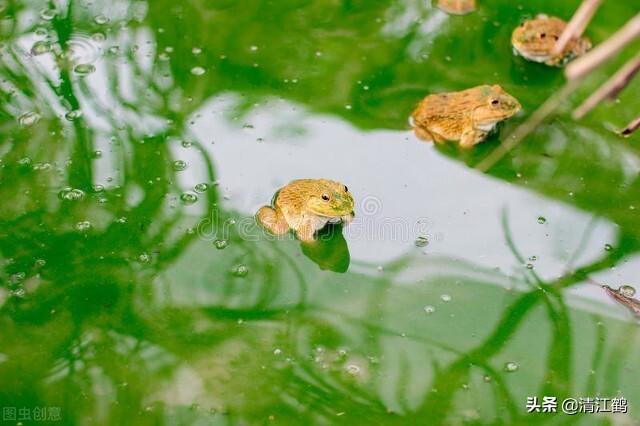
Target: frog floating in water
x=467, y=116
x=457, y=7
x=534, y=40
x=306, y=206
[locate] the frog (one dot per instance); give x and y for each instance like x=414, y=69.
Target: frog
x=467, y=116
x=306, y=206
x=534, y=40
x=457, y=7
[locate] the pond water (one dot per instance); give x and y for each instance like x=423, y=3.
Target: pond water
x=138, y=139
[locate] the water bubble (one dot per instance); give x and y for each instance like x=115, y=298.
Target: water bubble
x=29, y=118
x=83, y=226
x=100, y=19
x=48, y=14
x=254, y=48
x=201, y=187
x=198, y=71
x=627, y=291
x=17, y=278
x=121, y=220
x=40, y=48
x=188, y=198
x=542, y=220
x=511, y=366
x=421, y=241
x=113, y=50
x=71, y=194
x=40, y=263
x=240, y=271
x=196, y=51
x=98, y=188
x=352, y=369
x=40, y=32
x=186, y=144
x=529, y=265
x=608, y=247
x=429, y=309
x=42, y=166
x=445, y=298
x=144, y=258
x=98, y=37
x=84, y=69
x=277, y=351
x=97, y=154
x=179, y=165
x=73, y=115
x=220, y=244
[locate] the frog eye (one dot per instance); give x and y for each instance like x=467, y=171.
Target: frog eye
x=495, y=102
x=346, y=189
x=325, y=197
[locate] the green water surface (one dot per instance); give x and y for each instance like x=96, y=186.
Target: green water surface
x=138, y=138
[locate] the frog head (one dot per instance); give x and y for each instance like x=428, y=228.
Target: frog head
x=330, y=199
x=494, y=105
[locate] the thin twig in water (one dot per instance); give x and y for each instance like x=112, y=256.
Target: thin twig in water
x=631, y=127
x=604, y=51
x=576, y=25
x=611, y=88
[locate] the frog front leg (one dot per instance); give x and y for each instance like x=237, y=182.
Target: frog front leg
x=272, y=220
x=308, y=226
x=471, y=137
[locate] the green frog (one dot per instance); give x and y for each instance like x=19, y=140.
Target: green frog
x=306, y=206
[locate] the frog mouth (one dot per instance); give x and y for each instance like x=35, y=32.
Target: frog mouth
x=532, y=56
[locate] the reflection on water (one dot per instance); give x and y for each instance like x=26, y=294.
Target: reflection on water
x=139, y=138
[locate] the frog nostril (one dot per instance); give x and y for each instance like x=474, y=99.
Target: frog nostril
x=543, y=35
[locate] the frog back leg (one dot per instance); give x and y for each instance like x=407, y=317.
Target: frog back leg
x=272, y=220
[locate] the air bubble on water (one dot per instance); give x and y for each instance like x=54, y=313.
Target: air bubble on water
x=220, y=244
x=84, y=69
x=121, y=220
x=186, y=144
x=445, y=298
x=41, y=166
x=197, y=70
x=113, y=50
x=28, y=118
x=542, y=220
x=380, y=268
x=277, y=351
x=254, y=48
x=201, y=187
x=73, y=115
x=17, y=278
x=240, y=271
x=352, y=369
x=98, y=188
x=533, y=258
x=25, y=161
x=83, y=226
x=348, y=106
x=627, y=291
x=40, y=263
x=608, y=247
x=196, y=51
x=101, y=20
x=144, y=258
x=421, y=241
x=48, y=14
x=511, y=366
x=40, y=48
x=98, y=37
x=188, y=198
x=529, y=265
x=71, y=194
x=97, y=154
x=429, y=309
x=179, y=165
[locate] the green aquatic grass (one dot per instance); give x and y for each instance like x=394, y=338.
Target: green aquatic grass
x=137, y=318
